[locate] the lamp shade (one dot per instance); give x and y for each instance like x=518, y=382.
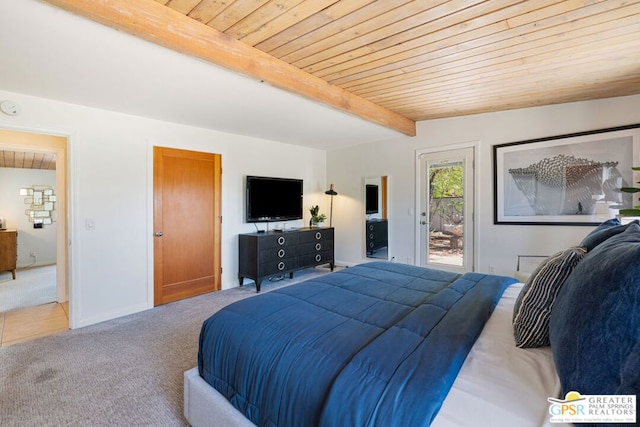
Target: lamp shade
x=331, y=191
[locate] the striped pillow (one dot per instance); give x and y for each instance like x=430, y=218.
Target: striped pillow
x=532, y=310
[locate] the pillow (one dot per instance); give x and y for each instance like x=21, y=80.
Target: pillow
x=607, y=229
x=595, y=323
x=533, y=307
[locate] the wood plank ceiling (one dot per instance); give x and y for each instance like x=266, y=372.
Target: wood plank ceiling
x=414, y=60
x=27, y=160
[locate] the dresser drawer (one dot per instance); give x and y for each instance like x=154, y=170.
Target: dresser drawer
x=277, y=253
x=277, y=240
x=313, y=247
x=317, y=258
x=316, y=235
x=277, y=266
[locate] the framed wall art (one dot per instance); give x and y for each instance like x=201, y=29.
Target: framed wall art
x=565, y=180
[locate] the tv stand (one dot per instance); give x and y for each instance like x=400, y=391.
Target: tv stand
x=264, y=255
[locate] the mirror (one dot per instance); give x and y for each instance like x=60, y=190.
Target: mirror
x=37, y=197
x=376, y=223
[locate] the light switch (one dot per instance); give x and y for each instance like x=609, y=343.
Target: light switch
x=90, y=224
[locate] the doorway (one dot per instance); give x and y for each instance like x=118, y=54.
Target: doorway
x=23, y=151
x=446, y=202
x=187, y=223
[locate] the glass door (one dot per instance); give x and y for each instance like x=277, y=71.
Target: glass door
x=446, y=209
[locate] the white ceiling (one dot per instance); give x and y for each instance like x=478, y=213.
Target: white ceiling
x=50, y=53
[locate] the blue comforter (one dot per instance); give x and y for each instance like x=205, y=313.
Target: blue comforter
x=376, y=344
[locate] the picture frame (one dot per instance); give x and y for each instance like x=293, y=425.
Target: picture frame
x=571, y=179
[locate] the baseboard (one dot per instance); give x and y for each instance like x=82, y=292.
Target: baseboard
x=110, y=315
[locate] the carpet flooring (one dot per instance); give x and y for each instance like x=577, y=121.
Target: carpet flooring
x=123, y=372
x=33, y=286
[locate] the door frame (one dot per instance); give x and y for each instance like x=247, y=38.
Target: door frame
x=50, y=141
x=474, y=145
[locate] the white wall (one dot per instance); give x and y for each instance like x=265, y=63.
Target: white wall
x=42, y=241
x=110, y=174
x=496, y=245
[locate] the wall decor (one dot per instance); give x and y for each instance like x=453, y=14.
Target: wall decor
x=569, y=179
x=41, y=200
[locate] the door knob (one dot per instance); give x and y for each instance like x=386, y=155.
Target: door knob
x=158, y=233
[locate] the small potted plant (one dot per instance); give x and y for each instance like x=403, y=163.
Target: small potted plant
x=316, y=217
x=635, y=210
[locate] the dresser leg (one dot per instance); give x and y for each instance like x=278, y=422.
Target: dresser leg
x=13, y=273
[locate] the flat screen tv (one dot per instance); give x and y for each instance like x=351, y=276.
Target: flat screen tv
x=273, y=199
x=371, y=197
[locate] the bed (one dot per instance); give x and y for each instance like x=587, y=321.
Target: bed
x=376, y=344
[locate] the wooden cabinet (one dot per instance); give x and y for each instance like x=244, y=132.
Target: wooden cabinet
x=269, y=254
x=377, y=235
x=8, y=251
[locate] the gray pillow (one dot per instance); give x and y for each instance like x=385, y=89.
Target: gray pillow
x=532, y=310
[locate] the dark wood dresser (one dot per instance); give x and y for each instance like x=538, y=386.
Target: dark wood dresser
x=377, y=232
x=263, y=255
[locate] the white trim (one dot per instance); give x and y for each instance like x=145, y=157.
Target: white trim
x=88, y=321
x=150, y=251
x=73, y=266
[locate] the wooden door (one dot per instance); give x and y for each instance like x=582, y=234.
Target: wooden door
x=187, y=221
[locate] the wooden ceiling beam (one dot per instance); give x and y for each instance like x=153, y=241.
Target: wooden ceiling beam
x=150, y=20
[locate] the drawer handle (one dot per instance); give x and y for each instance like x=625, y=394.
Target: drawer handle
x=371, y=236
x=318, y=235
x=371, y=227
x=318, y=246
x=281, y=253
x=318, y=257
x=281, y=265
x=281, y=240
x=371, y=244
